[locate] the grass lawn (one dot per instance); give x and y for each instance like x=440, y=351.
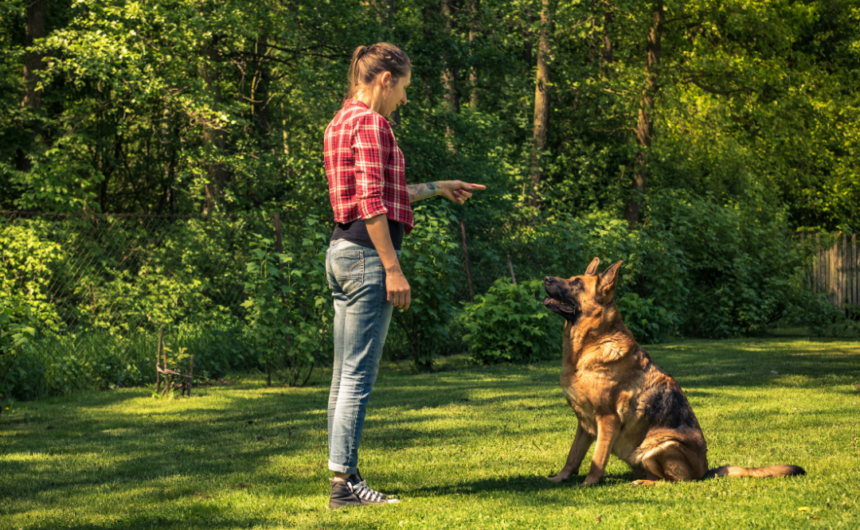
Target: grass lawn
x=463, y=448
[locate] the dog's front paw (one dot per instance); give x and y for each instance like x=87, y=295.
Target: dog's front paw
x=558, y=479
x=589, y=482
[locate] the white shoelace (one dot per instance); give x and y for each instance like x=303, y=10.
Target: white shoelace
x=366, y=493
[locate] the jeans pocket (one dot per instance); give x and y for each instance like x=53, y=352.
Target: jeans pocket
x=348, y=266
x=374, y=271
x=329, y=273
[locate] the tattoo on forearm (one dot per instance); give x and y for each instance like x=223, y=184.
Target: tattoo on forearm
x=422, y=191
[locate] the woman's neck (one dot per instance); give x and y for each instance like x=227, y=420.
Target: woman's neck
x=371, y=98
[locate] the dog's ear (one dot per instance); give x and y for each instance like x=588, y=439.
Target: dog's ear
x=607, y=281
x=592, y=267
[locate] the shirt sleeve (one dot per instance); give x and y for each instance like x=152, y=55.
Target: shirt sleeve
x=371, y=146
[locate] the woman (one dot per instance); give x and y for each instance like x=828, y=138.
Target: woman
x=371, y=203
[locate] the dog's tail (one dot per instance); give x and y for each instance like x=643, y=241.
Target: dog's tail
x=756, y=472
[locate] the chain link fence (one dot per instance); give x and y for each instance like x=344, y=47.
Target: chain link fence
x=134, y=274
x=104, y=285
x=509, y=252
x=125, y=273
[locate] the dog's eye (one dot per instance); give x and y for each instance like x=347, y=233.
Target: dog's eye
x=577, y=283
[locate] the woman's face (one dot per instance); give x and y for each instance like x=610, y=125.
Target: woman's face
x=395, y=95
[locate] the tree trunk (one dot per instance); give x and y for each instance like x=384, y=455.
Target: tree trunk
x=107, y=169
x=429, y=19
x=473, y=70
x=212, y=135
x=33, y=60
x=169, y=175
x=541, y=119
x=261, y=93
x=527, y=45
x=32, y=65
x=592, y=45
x=645, y=126
x=449, y=75
x=388, y=12
x=607, y=56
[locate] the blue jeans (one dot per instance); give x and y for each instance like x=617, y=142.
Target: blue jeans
x=361, y=317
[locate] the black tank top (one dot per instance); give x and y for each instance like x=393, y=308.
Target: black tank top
x=356, y=232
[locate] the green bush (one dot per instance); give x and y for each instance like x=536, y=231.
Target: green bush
x=429, y=262
x=290, y=313
x=853, y=312
x=18, y=329
x=695, y=266
x=821, y=316
x=114, y=281
x=741, y=270
x=648, y=322
x=57, y=364
x=511, y=324
x=651, y=292
x=124, y=274
x=27, y=257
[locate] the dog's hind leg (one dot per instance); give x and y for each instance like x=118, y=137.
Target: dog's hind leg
x=677, y=468
x=581, y=442
x=653, y=472
x=668, y=463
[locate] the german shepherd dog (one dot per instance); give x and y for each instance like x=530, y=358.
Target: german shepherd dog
x=622, y=399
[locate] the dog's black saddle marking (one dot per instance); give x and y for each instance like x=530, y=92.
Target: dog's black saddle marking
x=669, y=408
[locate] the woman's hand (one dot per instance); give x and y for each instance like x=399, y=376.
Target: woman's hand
x=399, y=292
x=396, y=286
x=457, y=190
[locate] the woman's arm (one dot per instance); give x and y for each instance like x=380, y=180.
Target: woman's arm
x=422, y=191
x=455, y=190
x=398, y=289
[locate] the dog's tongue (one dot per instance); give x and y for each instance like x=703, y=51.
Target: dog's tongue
x=551, y=301
x=558, y=305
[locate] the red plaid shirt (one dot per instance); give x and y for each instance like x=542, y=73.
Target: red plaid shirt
x=364, y=167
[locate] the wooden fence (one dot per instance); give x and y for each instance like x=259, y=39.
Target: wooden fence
x=836, y=270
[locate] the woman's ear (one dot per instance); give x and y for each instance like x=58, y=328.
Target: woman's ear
x=385, y=79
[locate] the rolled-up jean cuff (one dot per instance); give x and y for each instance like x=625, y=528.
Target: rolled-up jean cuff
x=337, y=468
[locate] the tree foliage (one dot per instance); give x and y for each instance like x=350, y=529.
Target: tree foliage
x=750, y=111
x=179, y=106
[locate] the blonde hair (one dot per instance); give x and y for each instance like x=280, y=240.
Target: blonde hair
x=370, y=61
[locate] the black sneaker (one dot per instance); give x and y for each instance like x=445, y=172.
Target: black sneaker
x=354, y=492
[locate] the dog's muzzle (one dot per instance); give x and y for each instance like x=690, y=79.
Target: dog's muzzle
x=552, y=301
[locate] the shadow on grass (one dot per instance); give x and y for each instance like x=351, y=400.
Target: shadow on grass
x=205, y=516
x=704, y=364
x=520, y=483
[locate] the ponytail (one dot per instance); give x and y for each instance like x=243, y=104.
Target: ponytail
x=370, y=61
